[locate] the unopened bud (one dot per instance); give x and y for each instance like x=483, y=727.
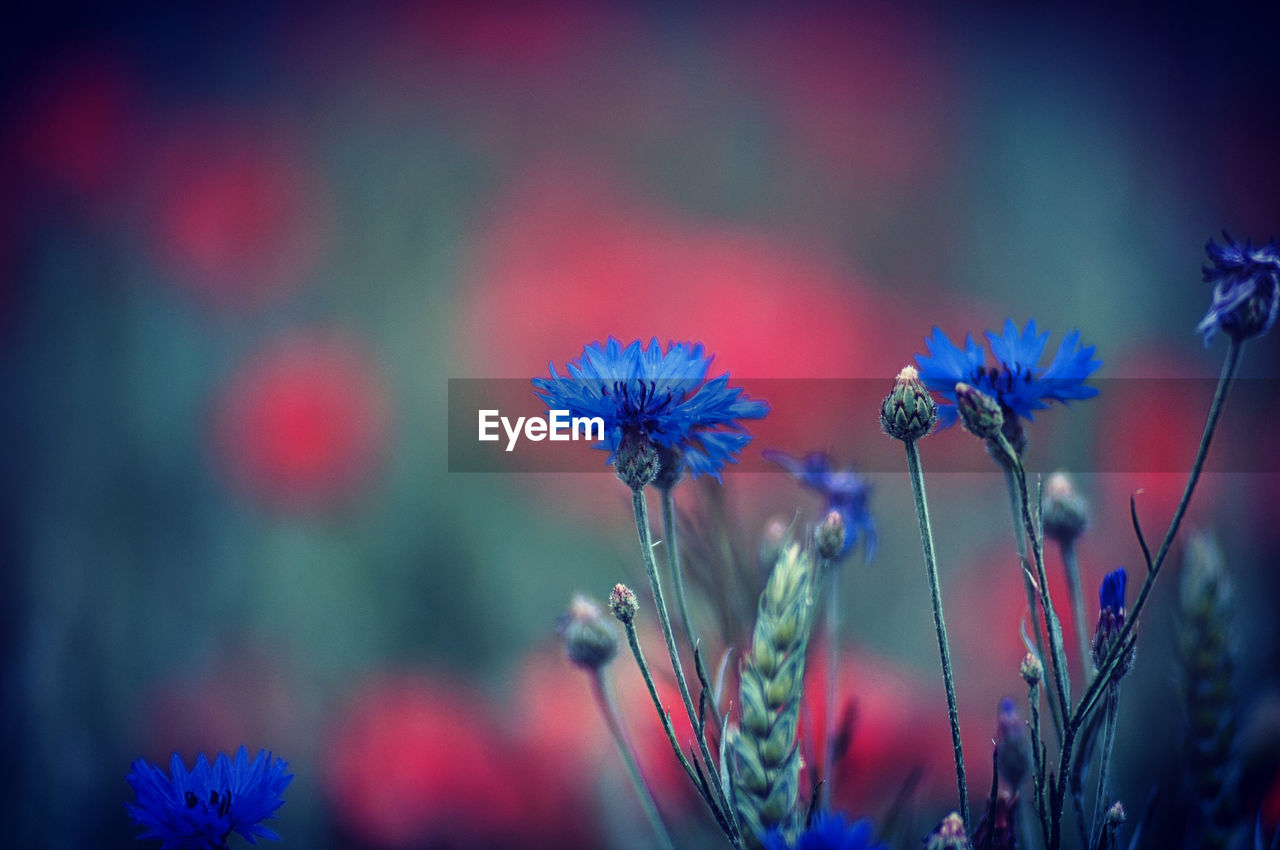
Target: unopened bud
x=771, y=540
x=908, y=412
x=636, y=461
x=1115, y=814
x=1066, y=513
x=979, y=412
x=589, y=639
x=670, y=467
x=1032, y=670
x=829, y=536
x=950, y=835
x=623, y=603
x=1013, y=746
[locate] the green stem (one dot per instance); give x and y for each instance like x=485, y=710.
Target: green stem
x=832, y=571
x=1122, y=643
x=608, y=708
x=665, y=717
x=655, y=582
x=1071, y=566
x=673, y=563
x=939, y=623
x=1037, y=756
x=1020, y=538
x=1104, y=764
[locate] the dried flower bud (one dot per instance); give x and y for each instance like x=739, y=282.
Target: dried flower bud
x=589, y=639
x=828, y=536
x=1032, y=670
x=950, y=835
x=1066, y=513
x=636, y=461
x=771, y=540
x=623, y=603
x=979, y=412
x=908, y=412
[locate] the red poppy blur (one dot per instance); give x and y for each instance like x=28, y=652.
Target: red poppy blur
x=78, y=124
x=239, y=215
x=863, y=90
x=303, y=423
x=896, y=725
x=418, y=761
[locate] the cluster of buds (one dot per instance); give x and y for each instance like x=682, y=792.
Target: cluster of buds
x=1111, y=616
x=589, y=639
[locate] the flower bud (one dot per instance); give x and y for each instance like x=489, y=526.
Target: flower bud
x=771, y=540
x=623, y=603
x=1013, y=746
x=1066, y=513
x=979, y=412
x=589, y=639
x=950, y=835
x=908, y=412
x=829, y=536
x=1115, y=814
x=636, y=461
x=1031, y=670
x=670, y=467
x=1111, y=616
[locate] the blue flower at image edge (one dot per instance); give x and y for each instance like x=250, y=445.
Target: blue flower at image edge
x=1245, y=283
x=828, y=831
x=663, y=397
x=844, y=491
x=199, y=809
x=1017, y=380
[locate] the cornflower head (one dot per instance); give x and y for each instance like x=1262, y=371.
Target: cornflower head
x=843, y=491
x=200, y=808
x=1111, y=616
x=661, y=415
x=827, y=831
x=1245, y=301
x=1017, y=381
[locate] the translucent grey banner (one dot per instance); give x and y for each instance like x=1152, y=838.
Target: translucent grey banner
x=1132, y=425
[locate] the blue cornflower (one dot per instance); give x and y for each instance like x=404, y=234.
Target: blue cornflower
x=844, y=491
x=1111, y=593
x=198, y=810
x=1017, y=381
x=663, y=399
x=827, y=831
x=1245, y=280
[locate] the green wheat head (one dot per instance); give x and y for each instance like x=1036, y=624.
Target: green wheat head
x=1206, y=658
x=766, y=761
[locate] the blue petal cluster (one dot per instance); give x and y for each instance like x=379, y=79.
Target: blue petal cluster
x=828, y=831
x=1111, y=592
x=1017, y=380
x=198, y=810
x=662, y=397
x=844, y=491
x=1245, y=282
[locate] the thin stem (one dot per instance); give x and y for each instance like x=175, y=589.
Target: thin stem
x=1020, y=538
x=1058, y=657
x=1104, y=764
x=939, y=623
x=655, y=582
x=1038, y=766
x=1123, y=642
x=608, y=708
x=832, y=571
x=673, y=562
x=1071, y=566
x=665, y=717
